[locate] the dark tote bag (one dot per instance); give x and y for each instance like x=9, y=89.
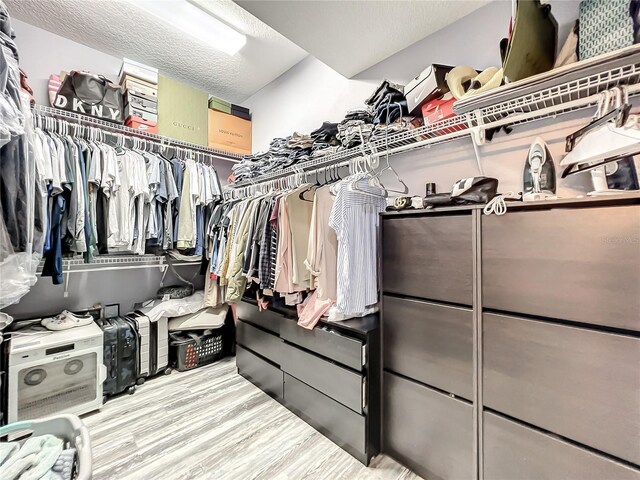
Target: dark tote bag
x=92, y=95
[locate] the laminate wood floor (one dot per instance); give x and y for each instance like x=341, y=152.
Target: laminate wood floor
x=211, y=423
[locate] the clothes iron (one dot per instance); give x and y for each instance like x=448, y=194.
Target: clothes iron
x=539, y=176
x=616, y=177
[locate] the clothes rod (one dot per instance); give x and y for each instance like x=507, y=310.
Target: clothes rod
x=116, y=129
x=161, y=266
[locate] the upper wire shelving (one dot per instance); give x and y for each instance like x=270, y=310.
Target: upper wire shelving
x=114, y=128
x=549, y=102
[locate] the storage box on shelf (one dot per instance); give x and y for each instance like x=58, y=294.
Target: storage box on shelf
x=328, y=376
x=182, y=111
x=141, y=97
x=229, y=132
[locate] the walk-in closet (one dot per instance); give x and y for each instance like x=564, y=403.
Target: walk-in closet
x=320, y=240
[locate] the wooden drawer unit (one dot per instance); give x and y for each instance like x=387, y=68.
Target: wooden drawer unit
x=267, y=319
x=259, y=341
x=327, y=342
x=430, y=343
x=515, y=451
x=428, y=431
x=263, y=374
x=341, y=424
x=575, y=382
x=578, y=264
x=339, y=383
x=428, y=257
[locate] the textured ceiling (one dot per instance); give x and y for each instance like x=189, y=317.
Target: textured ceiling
x=351, y=35
x=121, y=29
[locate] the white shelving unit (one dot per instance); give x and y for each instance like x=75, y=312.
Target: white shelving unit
x=566, y=97
x=117, y=262
x=116, y=129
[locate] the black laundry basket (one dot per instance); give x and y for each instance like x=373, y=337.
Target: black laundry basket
x=190, y=350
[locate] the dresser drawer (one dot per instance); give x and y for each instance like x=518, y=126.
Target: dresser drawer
x=572, y=264
x=259, y=341
x=428, y=257
x=578, y=383
x=267, y=319
x=341, y=424
x=326, y=342
x=428, y=431
x=341, y=384
x=514, y=451
x=264, y=375
x=430, y=343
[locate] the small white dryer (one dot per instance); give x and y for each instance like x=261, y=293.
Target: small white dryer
x=55, y=372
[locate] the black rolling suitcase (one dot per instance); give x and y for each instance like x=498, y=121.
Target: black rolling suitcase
x=120, y=355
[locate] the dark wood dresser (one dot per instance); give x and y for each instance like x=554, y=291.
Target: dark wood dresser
x=328, y=376
x=511, y=344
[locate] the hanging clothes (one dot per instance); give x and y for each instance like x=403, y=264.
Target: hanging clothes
x=355, y=219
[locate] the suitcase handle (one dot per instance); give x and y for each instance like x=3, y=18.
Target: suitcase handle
x=112, y=372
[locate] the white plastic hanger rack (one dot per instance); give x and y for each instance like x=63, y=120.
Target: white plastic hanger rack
x=571, y=96
x=127, y=132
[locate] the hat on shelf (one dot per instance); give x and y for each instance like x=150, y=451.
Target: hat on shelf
x=465, y=81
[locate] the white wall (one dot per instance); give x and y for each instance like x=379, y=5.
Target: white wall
x=43, y=53
x=310, y=93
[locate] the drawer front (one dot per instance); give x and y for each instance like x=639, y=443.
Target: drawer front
x=578, y=383
x=581, y=265
x=341, y=424
x=326, y=342
x=428, y=431
x=266, y=319
x=264, y=375
x=514, y=451
x=259, y=341
x=428, y=257
x=333, y=380
x=430, y=343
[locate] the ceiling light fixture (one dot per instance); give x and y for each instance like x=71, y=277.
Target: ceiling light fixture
x=183, y=16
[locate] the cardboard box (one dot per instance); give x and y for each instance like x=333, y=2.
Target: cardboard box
x=430, y=84
x=141, y=124
x=216, y=103
x=229, y=133
x=140, y=88
x=144, y=102
x=242, y=112
x=137, y=70
x=182, y=111
x=131, y=110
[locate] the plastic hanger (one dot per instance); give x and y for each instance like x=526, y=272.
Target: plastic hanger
x=606, y=141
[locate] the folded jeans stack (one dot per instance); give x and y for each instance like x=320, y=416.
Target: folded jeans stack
x=363, y=114
x=383, y=133
x=299, y=141
x=354, y=132
x=385, y=91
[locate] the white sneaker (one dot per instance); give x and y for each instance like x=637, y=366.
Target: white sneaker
x=66, y=320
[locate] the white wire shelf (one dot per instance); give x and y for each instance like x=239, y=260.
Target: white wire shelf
x=118, y=262
x=547, y=103
x=115, y=128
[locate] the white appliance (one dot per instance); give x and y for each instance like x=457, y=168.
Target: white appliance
x=55, y=372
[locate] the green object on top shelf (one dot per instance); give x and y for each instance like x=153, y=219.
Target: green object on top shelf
x=182, y=111
x=216, y=103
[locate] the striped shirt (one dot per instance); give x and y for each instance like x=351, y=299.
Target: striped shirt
x=355, y=218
